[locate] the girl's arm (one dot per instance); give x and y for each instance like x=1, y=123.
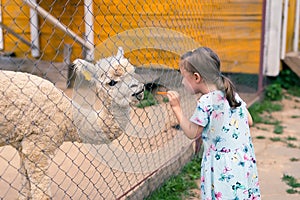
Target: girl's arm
x=190, y=129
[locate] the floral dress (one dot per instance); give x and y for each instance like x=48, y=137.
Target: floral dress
x=228, y=169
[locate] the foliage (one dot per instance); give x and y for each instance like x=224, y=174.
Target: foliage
x=260, y=137
x=295, y=91
x=292, y=182
x=275, y=139
x=165, y=99
x=294, y=159
x=288, y=80
x=278, y=129
x=148, y=100
x=273, y=92
x=179, y=186
x=290, y=138
x=259, y=108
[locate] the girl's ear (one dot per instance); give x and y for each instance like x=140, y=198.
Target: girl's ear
x=197, y=76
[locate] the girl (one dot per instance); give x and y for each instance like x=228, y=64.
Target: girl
x=228, y=168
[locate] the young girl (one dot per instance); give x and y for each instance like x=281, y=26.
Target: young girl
x=228, y=169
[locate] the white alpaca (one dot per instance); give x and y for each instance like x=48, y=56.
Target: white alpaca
x=36, y=117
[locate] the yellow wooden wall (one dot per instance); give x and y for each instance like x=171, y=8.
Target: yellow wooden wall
x=290, y=25
x=231, y=27
x=14, y=16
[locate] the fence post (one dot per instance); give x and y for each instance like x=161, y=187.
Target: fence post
x=67, y=62
x=262, y=48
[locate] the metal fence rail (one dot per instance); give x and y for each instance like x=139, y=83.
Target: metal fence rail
x=77, y=137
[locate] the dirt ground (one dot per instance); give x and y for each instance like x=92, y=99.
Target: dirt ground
x=277, y=154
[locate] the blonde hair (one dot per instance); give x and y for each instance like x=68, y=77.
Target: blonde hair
x=207, y=63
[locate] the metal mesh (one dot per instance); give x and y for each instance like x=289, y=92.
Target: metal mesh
x=78, y=133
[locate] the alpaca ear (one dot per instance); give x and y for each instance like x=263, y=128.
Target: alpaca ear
x=120, y=54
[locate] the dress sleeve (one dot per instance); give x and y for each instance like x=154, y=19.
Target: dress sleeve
x=201, y=113
x=238, y=98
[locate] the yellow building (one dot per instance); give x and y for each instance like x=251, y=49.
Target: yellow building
x=231, y=27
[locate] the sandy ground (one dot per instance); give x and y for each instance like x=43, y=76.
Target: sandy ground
x=276, y=158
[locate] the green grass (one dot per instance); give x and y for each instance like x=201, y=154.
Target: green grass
x=290, y=138
x=278, y=129
x=165, y=99
x=290, y=145
x=291, y=191
x=294, y=159
x=285, y=141
x=288, y=80
x=148, y=100
x=178, y=187
x=260, y=111
x=262, y=128
x=294, y=91
x=295, y=116
x=292, y=182
x=275, y=139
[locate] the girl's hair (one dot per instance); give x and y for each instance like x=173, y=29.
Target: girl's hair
x=207, y=63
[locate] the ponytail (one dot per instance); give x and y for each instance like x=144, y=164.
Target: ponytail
x=229, y=90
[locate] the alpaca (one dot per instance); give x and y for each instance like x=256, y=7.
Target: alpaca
x=36, y=117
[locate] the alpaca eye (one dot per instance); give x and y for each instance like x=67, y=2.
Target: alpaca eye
x=112, y=83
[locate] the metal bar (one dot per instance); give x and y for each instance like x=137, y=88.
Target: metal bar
x=1, y=30
x=9, y=30
x=284, y=29
x=47, y=16
x=34, y=33
x=89, y=26
x=262, y=48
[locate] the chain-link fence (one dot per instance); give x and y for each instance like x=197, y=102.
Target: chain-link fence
x=85, y=125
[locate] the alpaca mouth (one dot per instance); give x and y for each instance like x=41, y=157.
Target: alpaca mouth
x=139, y=95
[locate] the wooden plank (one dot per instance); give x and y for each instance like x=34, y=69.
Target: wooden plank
x=292, y=59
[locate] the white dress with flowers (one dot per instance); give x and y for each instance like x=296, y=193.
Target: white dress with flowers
x=228, y=169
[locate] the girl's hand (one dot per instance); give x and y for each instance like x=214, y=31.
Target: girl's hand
x=190, y=129
x=174, y=99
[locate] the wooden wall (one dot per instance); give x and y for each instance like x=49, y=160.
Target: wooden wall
x=290, y=25
x=15, y=17
x=231, y=27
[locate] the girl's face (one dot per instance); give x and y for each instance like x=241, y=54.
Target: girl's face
x=190, y=81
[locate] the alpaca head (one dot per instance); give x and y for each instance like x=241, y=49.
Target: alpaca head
x=114, y=76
